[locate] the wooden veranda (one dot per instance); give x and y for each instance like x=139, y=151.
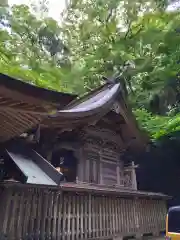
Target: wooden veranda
x=31, y=212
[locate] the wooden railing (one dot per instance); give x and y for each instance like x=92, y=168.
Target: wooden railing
x=31, y=213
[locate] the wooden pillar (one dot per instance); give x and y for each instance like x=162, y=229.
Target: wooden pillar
x=80, y=166
x=100, y=168
x=118, y=175
x=133, y=177
x=136, y=216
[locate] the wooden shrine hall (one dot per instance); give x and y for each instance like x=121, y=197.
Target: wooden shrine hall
x=67, y=166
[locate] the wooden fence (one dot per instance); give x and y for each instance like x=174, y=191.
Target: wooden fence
x=31, y=213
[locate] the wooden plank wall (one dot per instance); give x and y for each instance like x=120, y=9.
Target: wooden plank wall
x=110, y=162
x=48, y=214
x=101, y=155
x=101, y=165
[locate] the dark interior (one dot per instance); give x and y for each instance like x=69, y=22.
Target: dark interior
x=67, y=162
x=9, y=170
x=159, y=168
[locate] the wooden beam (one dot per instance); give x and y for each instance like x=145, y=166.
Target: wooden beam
x=15, y=110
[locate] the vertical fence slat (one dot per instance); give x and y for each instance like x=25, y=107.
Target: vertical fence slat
x=54, y=214
x=100, y=203
x=69, y=217
x=59, y=216
x=73, y=217
x=96, y=215
x=40, y=201
x=81, y=218
x=90, y=215
x=5, y=206
x=44, y=215
x=20, y=215
x=64, y=219
x=27, y=212
x=104, y=216
x=119, y=216
x=78, y=217
x=14, y=204
x=86, y=216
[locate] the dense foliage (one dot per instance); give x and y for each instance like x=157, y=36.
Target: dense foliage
x=96, y=38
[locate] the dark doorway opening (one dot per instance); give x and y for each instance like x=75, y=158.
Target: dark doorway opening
x=65, y=161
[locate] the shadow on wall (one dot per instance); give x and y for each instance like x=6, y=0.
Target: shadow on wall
x=159, y=169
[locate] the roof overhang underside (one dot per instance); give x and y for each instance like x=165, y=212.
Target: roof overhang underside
x=22, y=106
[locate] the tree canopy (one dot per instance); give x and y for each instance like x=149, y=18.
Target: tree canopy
x=138, y=39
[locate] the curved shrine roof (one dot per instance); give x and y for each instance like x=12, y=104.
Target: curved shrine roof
x=24, y=106
x=82, y=111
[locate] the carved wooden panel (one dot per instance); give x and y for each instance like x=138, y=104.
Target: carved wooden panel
x=94, y=140
x=110, y=146
x=98, y=135
x=109, y=155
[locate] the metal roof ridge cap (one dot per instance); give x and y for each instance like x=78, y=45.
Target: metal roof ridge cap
x=92, y=105
x=77, y=101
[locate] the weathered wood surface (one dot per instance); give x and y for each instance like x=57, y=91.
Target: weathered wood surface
x=101, y=161
x=31, y=213
x=101, y=165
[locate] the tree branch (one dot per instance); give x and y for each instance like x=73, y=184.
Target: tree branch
x=138, y=31
x=109, y=15
x=128, y=30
